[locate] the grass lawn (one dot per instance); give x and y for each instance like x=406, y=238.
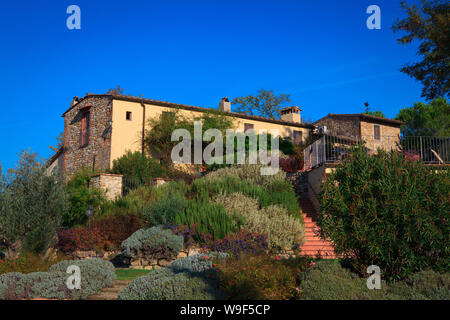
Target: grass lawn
x=130, y=274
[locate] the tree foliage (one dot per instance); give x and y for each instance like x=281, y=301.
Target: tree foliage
x=430, y=25
x=265, y=103
x=422, y=119
x=32, y=204
x=158, y=137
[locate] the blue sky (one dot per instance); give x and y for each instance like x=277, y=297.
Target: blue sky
x=195, y=52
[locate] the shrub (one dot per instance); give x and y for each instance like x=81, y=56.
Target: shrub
x=274, y=192
x=198, y=264
x=105, y=233
x=261, y=277
x=209, y=219
x=137, y=170
x=152, y=243
x=49, y=285
x=242, y=242
x=80, y=196
x=423, y=285
x=162, y=284
x=328, y=280
x=189, y=278
x=165, y=210
x=282, y=230
x=250, y=172
x=387, y=211
x=95, y=275
x=32, y=203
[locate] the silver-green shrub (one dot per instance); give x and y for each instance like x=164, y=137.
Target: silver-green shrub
x=152, y=243
x=283, y=230
x=251, y=172
x=171, y=286
x=184, y=279
x=96, y=274
x=196, y=264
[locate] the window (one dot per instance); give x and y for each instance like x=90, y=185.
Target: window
x=298, y=137
x=376, y=132
x=248, y=126
x=85, y=128
x=128, y=115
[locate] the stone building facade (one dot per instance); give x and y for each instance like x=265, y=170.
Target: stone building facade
x=377, y=132
x=97, y=152
x=100, y=128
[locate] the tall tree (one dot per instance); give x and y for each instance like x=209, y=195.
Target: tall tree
x=377, y=113
x=265, y=104
x=426, y=120
x=430, y=25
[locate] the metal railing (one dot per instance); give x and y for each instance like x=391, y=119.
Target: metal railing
x=331, y=149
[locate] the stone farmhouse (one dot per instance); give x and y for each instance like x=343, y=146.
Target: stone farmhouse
x=99, y=128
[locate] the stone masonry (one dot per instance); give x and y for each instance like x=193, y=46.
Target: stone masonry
x=111, y=184
x=96, y=154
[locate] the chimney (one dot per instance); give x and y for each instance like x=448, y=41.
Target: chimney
x=291, y=114
x=74, y=101
x=225, y=105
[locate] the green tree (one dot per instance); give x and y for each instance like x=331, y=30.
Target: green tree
x=377, y=113
x=430, y=25
x=158, y=137
x=265, y=104
x=32, y=204
x=422, y=119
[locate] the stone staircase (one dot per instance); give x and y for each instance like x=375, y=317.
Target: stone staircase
x=314, y=246
x=110, y=293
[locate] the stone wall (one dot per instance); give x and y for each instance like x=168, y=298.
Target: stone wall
x=96, y=154
x=389, y=136
x=340, y=126
x=111, y=184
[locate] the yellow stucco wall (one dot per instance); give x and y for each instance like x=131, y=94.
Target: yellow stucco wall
x=127, y=134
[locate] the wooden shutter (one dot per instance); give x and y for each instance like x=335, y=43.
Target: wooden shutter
x=376, y=132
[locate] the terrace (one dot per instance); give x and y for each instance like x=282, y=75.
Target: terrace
x=333, y=149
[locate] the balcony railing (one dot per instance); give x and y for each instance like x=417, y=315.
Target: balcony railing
x=332, y=149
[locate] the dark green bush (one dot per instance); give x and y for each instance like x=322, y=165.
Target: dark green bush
x=137, y=170
x=164, y=211
x=152, y=243
x=80, y=196
x=209, y=219
x=388, y=211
